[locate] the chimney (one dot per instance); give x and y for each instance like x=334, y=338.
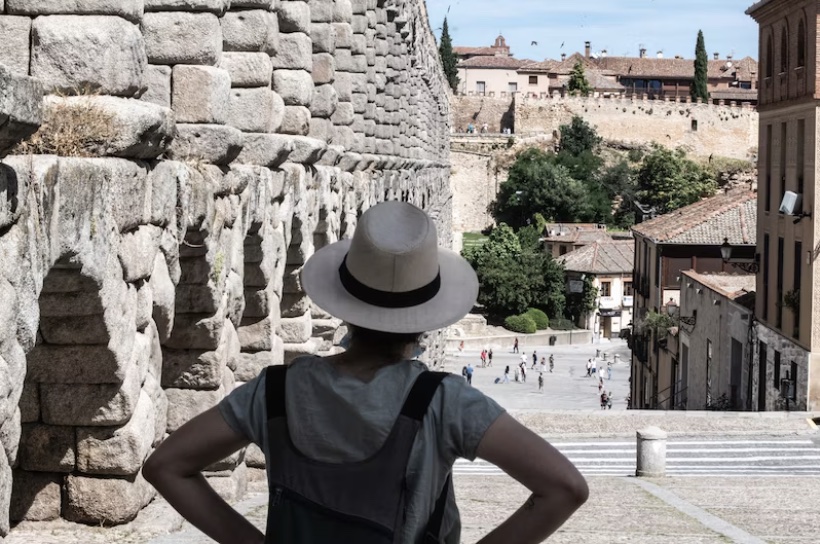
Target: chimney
x=729, y=57
x=587, y=49
x=717, y=55
x=604, y=53
x=563, y=56
x=643, y=52
x=660, y=54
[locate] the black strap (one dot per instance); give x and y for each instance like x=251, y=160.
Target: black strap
x=275, y=391
x=433, y=533
x=421, y=394
x=388, y=299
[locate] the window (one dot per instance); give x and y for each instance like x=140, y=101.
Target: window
x=512, y=86
x=562, y=250
x=776, y=369
x=694, y=125
x=606, y=289
x=801, y=154
x=765, y=309
x=784, y=51
x=780, y=248
x=768, y=168
x=798, y=264
x=480, y=87
x=769, y=57
x=628, y=291
x=801, y=44
x=533, y=80
x=654, y=85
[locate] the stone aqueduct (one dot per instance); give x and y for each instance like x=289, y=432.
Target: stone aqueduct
x=139, y=286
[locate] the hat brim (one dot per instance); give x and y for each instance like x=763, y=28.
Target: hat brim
x=459, y=290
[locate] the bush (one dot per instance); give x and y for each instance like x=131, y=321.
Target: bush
x=542, y=322
x=520, y=323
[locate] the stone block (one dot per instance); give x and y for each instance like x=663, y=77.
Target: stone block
x=292, y=351
x=184, y=404
x=196, y=331
x=30, y=403
x=324, y=37
x=105, y=54
x=294, y=17
x=344, y=114
x=138, y=249
x=165, y=179
x=307, y=150
x=321, y=11
x=297, y=330
x=127, y=9
x=16, y=51
x=118, y=451
x=295, y=305
x=162, y=289
x=200, y=94
x=322, y=130
x=270, y=150
x=157, y=81
x=10, y=433
x=35, y=496
x=251, y=30
x=255, y=110
x=295, y=52
x=296, y=121
x=194, y=369
x=324, y=68
x=47, y=448
x=100, y=501
x=21, y=108
x=248, y=69
x=344, y=86
x=249, y=365
x=342, y=37
x=269, y=5
x=260, y=302
x=217, y=7
x=324, y=101
x=215, y=144
x=257, y=335
x=182, y=38
x=342, y=11
x=83, y=364
x=231, y=486
x=294, y=86
x=254, y=457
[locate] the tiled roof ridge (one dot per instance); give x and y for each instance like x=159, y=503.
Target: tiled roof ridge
x=744, y=230
x=596, y=247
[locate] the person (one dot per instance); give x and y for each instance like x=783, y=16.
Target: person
x=609, y=372
x=600, y=383
x=552, y=362
x=507, y=374
x=483, y=358
x=543, y=366
x=594, y=368
x=485, y=128
x=523, y=360
x=589, y=368
x=534, y=359
x=518, y=374
x=490, y=357
x=390, y=283
x=470, y=128
x=604, y=400
x=523, y=372
x=540, y=381
x=609, y=400
x=464, y=372
x=469, y=374
x=515, y=345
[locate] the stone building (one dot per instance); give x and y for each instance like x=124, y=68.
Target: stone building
x=689, y=238
x=150, y=255
x=562, y=238
x=787, y=311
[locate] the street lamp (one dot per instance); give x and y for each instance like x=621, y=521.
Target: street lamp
x=726, y=250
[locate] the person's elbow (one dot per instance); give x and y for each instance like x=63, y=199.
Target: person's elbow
x=575, y=489
x=152, y=470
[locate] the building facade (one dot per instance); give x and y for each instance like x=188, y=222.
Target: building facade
x=787, y=313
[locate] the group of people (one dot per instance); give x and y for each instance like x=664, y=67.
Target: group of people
x=592, y=370
x=485, y=128
x=486, y=357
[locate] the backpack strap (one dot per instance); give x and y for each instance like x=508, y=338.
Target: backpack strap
x=275, y=391
x=417, y=402
x=432, y=535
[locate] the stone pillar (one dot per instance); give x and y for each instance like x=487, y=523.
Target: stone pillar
x=651, y=460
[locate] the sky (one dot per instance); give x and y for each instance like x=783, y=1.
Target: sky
x=619, y=26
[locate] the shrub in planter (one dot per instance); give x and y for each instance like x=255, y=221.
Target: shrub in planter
x=520, y=323
x=542, y=322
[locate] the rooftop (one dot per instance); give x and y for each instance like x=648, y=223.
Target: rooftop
x=493, y=62
x=731, y=215
x=602, y=257
x=737, y=287
x=677, y=68
x=474, y=51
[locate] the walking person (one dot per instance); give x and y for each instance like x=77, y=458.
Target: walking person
x=483, y=358
x=469, y=374
x=609, y=401
x=507, y=374
x=589, y=368
x=534, y=359
x=515, y=345
x=377, y=388
x=540, y=381
x=552, y=362
x=609, y=372
x=594, y=367
x=604, y=400
x=490, y=357
x=543, y=366
x=523, y=373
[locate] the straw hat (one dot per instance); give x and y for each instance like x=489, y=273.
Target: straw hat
x=392, y=276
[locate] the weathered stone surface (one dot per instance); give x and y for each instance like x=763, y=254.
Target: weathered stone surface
x=16, y=51
x=294, y=86
x=200, y=94
x=251, y=30
x=35, y=496
x=249, y=365
x=157, y=79
x=230, y=486
x=295, y=52
x=324, y=37
x=13, y=197
x=254, y=457
x=217, y=7
x=325, y=101
x=254, y=110
x=184, y=404
x=322, y=130
x=255, y=4
x=292, y=351
x=296, y=121
x=307, y=150
x=248, y=69
x=105, y=500
x=127, y=9
x=294, y=17
x=182, y=38
x=138, y=249
x=194, y=369
x=295, y=330
x=105, y=54
x=10, y=432
x=47, y=448
x=196, y=331
x=257, y=335
x=162, y=289
x=117, y=450
x=215, y=144
x=21, y=108
x=30, y=403
x=324, y=68
x=269, y=150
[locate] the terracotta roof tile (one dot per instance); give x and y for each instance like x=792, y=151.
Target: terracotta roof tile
x=730, y=215
x=606, y=257
x=732, y=286
x=676, y=68
x=493, y=62
x=465, y=50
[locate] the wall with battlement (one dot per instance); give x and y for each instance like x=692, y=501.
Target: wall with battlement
x=145, y=276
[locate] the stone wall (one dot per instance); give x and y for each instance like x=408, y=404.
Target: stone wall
x=142, y=280
x=474, y=180
x=498, y=113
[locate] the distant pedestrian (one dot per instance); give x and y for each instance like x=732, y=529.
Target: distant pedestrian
x=608, y=372
x=589, y=368
x=552, y=362
x=594, y=368
x=534, y=359
x=543, y=366
x=464, y=372
x=540, y=381
x=469, y=374
x=490, y=357
x=600, y=384
x=483, y=358
x=523, y=360
x=609, y=401
x=524, y=373
x=604, y=400
x=517, y=374
x=515, y=345
x=507, y=374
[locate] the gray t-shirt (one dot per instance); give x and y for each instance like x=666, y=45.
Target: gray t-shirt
x=334, y=417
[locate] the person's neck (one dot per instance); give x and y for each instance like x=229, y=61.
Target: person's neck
x=363, y=360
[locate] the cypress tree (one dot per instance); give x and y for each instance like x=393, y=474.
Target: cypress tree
x=448, y=58
x=699, y=86
x=578, y=81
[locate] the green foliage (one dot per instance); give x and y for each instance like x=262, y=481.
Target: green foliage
x=581, y=304
x=700, y=88
x=520, y=323
x=515, y=276
x=667, y=180
x=656, y=322
x=561, y=324
x=578, y=83
x=542, y=322
x=635, y=155
x=579, y=136
x=448, y=57
x=619, y=182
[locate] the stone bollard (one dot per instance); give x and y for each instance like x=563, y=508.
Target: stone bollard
x=651, y=453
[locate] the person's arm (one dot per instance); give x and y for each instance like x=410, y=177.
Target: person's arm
x=175, y=470
x=558, y=489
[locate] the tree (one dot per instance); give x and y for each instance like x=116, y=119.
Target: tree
x=578, y=80
x=536, y=184
x=578, y=137
x=579, y=305
x=448, y=58
x=667, y=180
x=699, y=87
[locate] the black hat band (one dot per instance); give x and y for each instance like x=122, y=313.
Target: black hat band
x=388, y=299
